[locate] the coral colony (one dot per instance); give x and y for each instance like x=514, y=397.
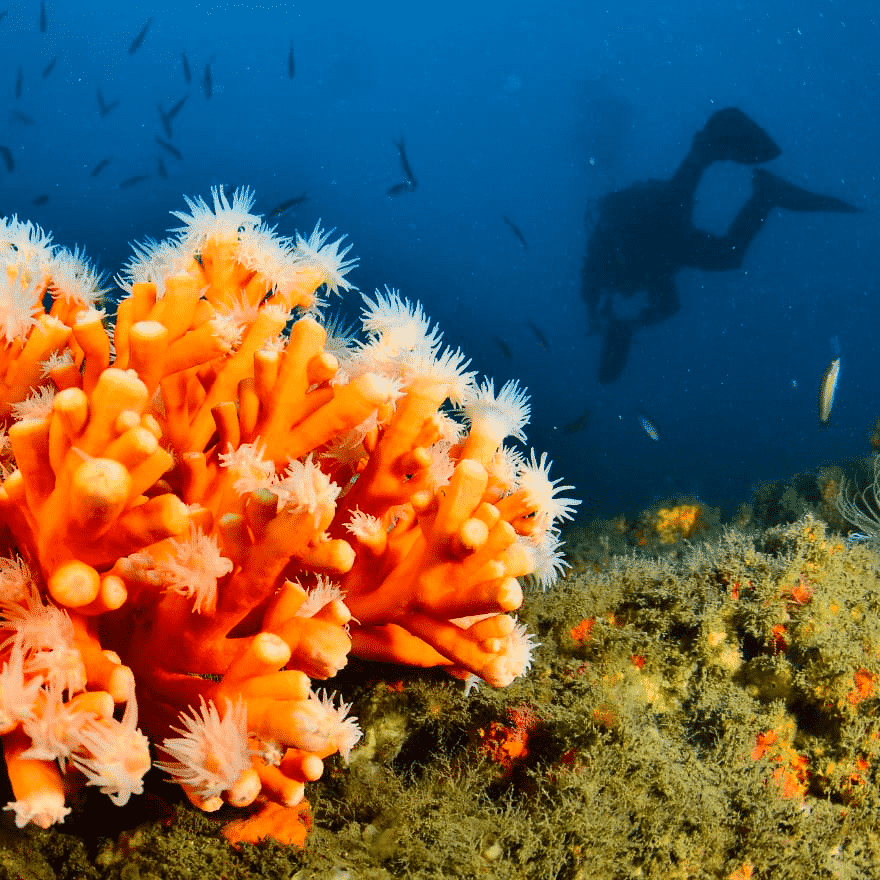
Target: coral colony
x=211, y=503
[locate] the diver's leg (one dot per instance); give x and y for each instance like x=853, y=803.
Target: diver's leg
x=705, y=251
x=702, y=250
x=794, y=198
x=687, y=178
x=728, y=135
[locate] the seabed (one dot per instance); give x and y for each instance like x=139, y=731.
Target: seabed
x=704, y=704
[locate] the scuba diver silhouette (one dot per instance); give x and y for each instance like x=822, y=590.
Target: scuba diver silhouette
x=645, y=234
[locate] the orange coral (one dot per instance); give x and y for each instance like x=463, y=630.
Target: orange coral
x=798, y=595
x=864, y=686
x=676, y=523
x=791, y=772
x=285, y=824
x=583, y=631
x=508, y=744
x=216, y=503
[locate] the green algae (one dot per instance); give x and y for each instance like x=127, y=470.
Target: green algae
x=699, y=714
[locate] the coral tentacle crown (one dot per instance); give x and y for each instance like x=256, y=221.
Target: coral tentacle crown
x=212, y=500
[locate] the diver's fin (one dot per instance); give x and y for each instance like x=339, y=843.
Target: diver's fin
x=730, y=135
x=786, y=195
x=615, y=350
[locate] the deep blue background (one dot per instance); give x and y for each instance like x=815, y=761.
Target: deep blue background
x=529, y=110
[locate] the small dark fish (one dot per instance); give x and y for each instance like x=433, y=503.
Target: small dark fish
x=408, y=177
x=539, y=335
x=399, y=189
x=187, y=73
x=49, y=67
x=505, y=348
x=827, y=390
x=43, y=21
x=207, y=83
x=103, y=107
x=136, y=42
x=291, y=64
x=160, y=165
x=23, y=118
x=6, y=153
x=19, y=83
x=581, y=423
x=409, y=182
x=101, y=166
x=166, y=122
x=168, y=115
x=169, y=148
x=285, y=206
x=517, y=233
x=40, y=200
x=3, y=14
x=131, y=181
x=177, y=107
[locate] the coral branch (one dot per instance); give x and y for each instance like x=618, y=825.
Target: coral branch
x=226, y=504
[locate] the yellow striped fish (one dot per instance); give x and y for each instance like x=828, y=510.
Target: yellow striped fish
x=827, y=390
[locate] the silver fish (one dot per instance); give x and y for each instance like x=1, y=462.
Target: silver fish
x=650, y=428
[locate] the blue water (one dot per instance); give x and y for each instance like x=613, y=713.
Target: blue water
x=525, y=110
